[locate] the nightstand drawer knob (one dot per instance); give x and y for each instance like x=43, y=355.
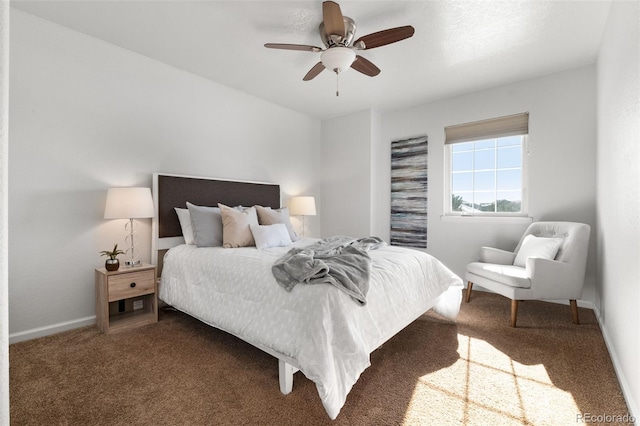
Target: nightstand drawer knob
x=132, y=285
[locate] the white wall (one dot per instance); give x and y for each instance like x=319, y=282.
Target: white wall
x=87, y=115
x=380, y=198
x=4, y=208
x=618, y=233
x=346, y=175
x=562, y=149
x=562, y=141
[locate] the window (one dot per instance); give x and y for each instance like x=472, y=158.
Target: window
x=485, y=167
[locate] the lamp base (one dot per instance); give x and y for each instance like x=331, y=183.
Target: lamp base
x=132, y=263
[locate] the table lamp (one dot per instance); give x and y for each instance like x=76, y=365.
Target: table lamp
x=129, y=203
x=303, y=206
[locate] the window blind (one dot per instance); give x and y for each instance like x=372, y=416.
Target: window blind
x=509, y=125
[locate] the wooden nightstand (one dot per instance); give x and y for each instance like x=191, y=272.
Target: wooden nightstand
x=126, y=298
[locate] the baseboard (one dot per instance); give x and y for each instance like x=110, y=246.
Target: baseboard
x=624, y=384
x=50, y=329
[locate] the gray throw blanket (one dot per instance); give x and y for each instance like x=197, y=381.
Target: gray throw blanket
x=341, y=261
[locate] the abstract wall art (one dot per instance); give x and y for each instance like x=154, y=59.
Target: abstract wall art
x=409, y=184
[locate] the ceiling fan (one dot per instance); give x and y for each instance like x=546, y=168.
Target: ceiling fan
x=337, y=32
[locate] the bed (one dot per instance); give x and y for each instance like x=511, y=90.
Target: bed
x=315, y=329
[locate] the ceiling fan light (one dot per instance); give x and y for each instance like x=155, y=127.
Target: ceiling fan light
x=337, y=59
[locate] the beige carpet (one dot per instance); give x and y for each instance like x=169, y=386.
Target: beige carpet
x=181, y=372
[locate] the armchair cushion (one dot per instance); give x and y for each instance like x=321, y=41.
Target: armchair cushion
x=494, y=255
x=538, y=247
x=513, y=276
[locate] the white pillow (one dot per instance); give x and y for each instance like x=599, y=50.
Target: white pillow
x=269, y=216
x=266, y=236
x=532, y=246
x=185, y=223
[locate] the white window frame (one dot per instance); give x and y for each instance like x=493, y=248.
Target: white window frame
x=524, y=186
x=516, y=125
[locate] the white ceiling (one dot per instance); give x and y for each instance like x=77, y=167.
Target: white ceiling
x=458, y=46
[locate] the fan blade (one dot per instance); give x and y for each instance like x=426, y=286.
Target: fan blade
x=382, y=38
x=332, y=19
x=365, y=66
x=317, y=69
x=293, y=47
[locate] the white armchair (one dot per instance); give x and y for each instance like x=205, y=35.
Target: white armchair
x=549, y=263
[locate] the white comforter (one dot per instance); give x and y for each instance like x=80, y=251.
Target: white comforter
x=322, y=329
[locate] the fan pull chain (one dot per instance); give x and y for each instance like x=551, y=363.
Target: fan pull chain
x=337, y=85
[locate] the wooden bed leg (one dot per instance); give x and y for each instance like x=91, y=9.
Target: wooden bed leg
x=514, y=312
x=574, y=312
x=286, y=377
x=469, y=287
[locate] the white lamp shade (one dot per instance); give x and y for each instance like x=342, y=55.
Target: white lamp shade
x=129, y=203
x=303, y=206
x=337, y=59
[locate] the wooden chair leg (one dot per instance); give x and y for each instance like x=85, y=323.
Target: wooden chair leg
x=469, y=286
x=574, y=312
x=514, y=312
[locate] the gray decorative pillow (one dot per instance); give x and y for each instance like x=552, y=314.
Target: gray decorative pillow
x=206, y=223
x=236, y=231
x=269, y=216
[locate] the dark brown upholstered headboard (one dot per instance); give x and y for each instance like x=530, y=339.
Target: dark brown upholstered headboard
x=172, y=191
x=175, y=191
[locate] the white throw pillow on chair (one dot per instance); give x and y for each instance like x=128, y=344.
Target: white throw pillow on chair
x=532, y=246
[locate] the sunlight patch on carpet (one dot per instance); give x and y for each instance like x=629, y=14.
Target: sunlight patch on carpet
x=487, y=386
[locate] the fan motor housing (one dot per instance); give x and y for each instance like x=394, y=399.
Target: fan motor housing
x=349, y=33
